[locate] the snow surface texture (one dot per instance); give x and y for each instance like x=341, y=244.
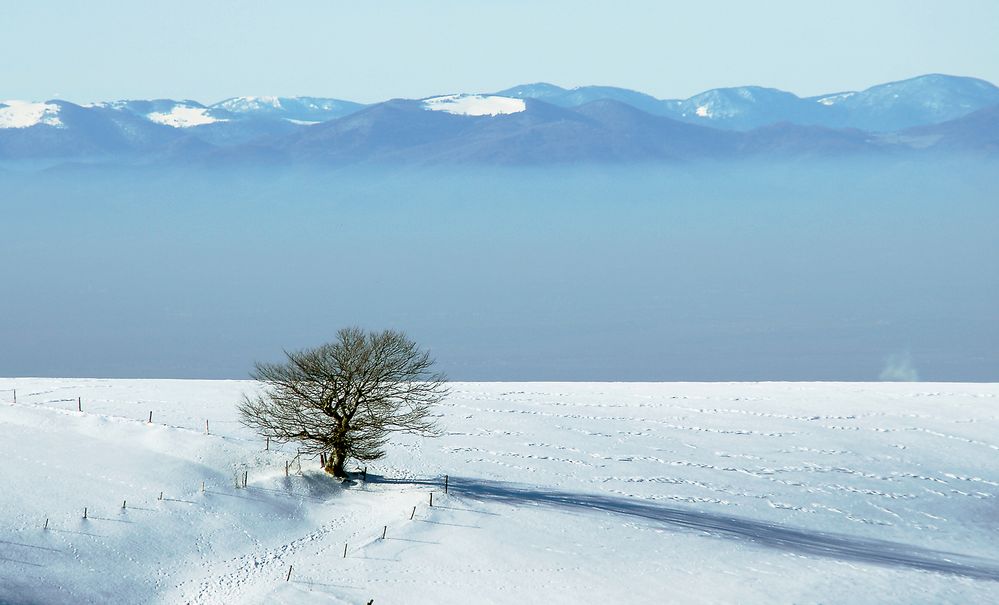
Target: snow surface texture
x=475, y=105
x=24, y=114
x=181, y=116
x=558, y=493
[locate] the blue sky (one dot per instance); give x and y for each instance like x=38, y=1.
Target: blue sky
x=372, y=50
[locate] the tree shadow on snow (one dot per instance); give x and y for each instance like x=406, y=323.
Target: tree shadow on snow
x=770, y=535
x=373, y=478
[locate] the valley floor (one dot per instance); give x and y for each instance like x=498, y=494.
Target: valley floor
x=557, y=493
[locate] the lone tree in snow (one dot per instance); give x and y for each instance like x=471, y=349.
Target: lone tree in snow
x=344, y=398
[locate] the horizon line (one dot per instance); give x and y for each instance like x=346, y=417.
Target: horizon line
x=59, y=97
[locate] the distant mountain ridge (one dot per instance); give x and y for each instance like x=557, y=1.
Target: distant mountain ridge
x=919, y=101
x=527, y=124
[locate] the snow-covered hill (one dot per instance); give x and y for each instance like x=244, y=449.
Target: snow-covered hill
x=475, y=105
x=557, y=493
x=929, y=99
x=24, y=114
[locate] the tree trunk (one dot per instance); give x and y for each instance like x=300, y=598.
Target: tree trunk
x=334, y=464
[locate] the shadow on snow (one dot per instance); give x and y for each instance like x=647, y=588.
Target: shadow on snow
x=770, y=535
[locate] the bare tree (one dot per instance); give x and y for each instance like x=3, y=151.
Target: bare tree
x=344, y=398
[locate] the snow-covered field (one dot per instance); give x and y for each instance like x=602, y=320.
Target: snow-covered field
x=558, y=493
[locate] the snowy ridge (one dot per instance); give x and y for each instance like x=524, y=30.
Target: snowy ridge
x=25, y=114
x=475, y=105
x=117, y=105
x=249, y=104
x=834, y=99
x=308, y=110
x=184, y=116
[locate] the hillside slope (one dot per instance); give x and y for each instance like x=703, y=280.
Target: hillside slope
x=558, y=493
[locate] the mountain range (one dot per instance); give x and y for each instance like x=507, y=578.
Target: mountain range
x=528, y=124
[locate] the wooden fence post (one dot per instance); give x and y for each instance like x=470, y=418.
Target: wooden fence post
x=445, y=484
x=344, y=548
x=384, y=530
x=150, y=416
x=431, y=499
x=79, y=404
x=288, y=577
x=412, y=514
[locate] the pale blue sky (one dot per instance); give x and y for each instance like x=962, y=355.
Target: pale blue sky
x=369, y=50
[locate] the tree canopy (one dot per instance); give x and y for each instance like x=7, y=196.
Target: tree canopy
x=343, y=399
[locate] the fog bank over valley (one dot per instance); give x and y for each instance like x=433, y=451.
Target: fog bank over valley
x=817, y=270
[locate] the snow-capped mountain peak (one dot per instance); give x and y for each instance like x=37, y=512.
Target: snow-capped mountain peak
x=538, y=90
x=297, y=110
x=475, y=105
x=24, y=114
x=183, y=116
x=250, y=104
